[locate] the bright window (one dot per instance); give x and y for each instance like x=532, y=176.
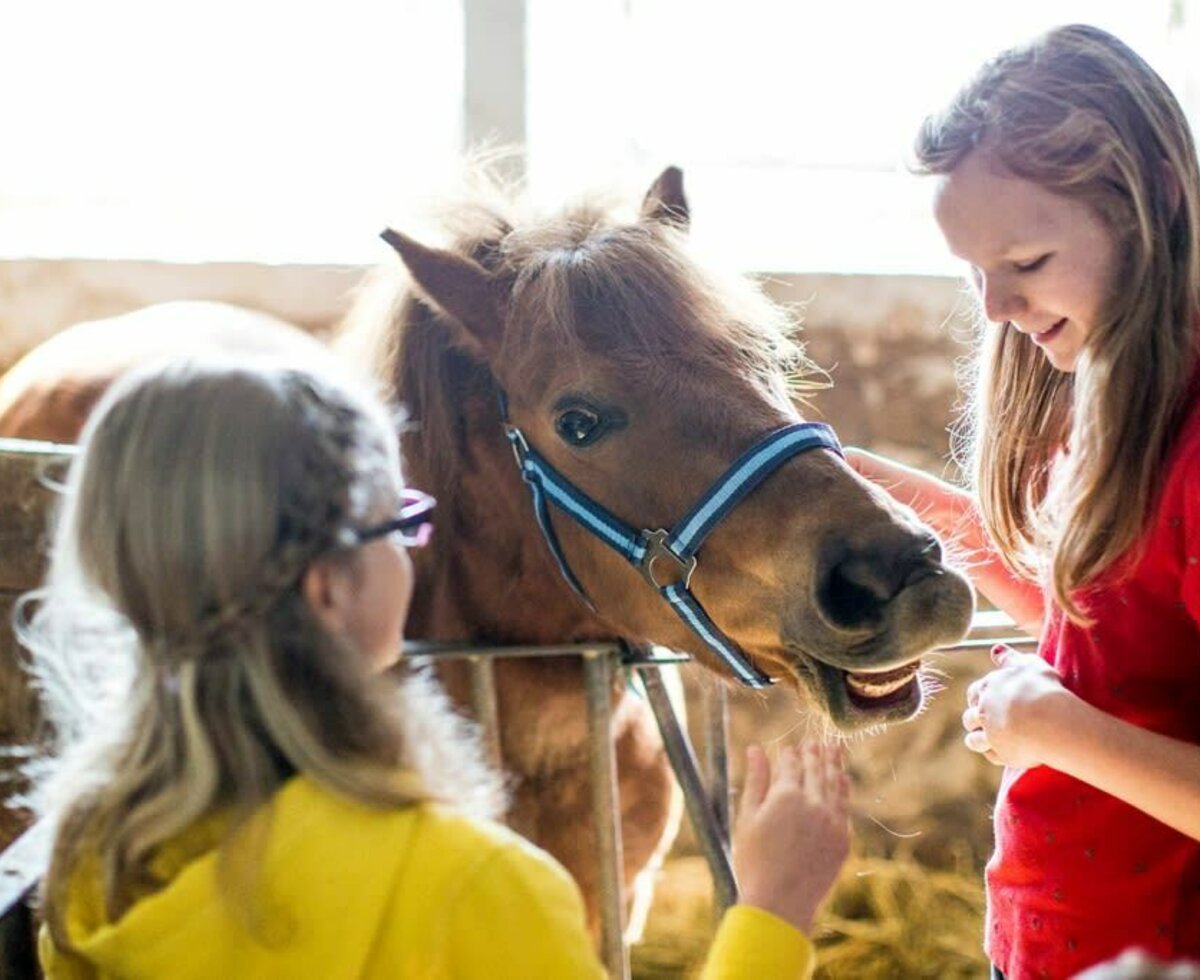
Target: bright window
x=258, y=129
x=792, y=120
x=228, y=129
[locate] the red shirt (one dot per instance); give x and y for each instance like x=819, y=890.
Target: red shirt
x=1078, y=876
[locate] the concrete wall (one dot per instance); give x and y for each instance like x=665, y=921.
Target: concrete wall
x=890, y=343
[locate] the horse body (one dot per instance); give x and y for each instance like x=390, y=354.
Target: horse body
x=49, y=392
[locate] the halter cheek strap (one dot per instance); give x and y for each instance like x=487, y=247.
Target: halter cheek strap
x=667, y=559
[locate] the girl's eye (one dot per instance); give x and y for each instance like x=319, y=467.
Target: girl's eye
x=579, y=426
x=1032, y=266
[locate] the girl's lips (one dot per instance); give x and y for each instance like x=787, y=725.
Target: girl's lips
x=1046, y=336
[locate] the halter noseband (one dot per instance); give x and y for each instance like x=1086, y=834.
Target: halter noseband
x=667, y=559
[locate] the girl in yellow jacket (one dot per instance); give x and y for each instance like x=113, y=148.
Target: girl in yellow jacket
x=243, y=790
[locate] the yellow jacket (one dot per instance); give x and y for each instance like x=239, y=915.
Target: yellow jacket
x=350, y=891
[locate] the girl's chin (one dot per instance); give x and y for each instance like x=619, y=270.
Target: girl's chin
x=1059, y=346
x=1063, y=361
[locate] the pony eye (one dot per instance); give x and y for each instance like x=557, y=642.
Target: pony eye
x=579, y=426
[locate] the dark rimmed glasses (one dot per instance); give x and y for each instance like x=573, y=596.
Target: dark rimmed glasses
x=412, y=527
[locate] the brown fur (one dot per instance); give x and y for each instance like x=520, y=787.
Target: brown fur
x=48, y=393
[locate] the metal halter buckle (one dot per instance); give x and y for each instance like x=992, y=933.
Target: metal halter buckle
x=520, y=447
x=657, y=547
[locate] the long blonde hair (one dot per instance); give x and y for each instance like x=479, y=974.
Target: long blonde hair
x=180, y=666
x=1079, y=113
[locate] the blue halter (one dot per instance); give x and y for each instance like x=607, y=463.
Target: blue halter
x=648, y=551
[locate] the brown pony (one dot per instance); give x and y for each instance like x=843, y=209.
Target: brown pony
x=640, y=377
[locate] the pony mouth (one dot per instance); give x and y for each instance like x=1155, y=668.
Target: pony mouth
x=862, y=699
x=873, y=690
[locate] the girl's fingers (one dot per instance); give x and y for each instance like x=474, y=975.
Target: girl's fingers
x=977, y=741
x=758, y=778
x=972, y=717
x=837, y=780
x=814, y=768
x=791, y=765
x=833, y=764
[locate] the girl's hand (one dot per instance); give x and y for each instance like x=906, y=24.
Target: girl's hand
x=792, y=833
x=1013, y=712
x=944, y=507
x=954, y=516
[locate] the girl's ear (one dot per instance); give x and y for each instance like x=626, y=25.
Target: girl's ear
x=325, y=590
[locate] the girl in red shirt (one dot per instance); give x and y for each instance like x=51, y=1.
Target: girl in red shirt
x=1067, y=181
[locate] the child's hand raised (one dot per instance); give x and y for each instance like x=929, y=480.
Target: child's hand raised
x=792, y=833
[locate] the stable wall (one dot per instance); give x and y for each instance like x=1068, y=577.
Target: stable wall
x=891, y=343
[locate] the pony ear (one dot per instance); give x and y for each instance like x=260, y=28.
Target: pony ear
x=458, y=286
x=665, y=202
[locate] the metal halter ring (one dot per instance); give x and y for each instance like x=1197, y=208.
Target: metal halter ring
x=657, y=547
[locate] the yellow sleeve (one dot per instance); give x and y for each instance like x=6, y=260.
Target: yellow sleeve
x=753, y=943
x=521, y=916
x=60, y=966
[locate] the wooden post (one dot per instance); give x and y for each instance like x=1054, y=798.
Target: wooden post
x=599, y=671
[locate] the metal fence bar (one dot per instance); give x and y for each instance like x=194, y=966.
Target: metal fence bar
x=695, y=797
x=715, y=708
x=438, y=649
x=715, y=705
x=483, y=703
x=23, y=861
x=599, y=668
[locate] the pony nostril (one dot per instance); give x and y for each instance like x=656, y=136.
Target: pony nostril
x=858, y=585
x=855, y=591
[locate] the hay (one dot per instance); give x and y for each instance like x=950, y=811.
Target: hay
x=680, y=925
x=893, y=917
x=888, y=917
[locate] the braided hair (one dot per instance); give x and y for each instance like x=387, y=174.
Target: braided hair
x=182, y=670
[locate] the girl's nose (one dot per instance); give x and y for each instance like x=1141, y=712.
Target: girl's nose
x=1001, y=301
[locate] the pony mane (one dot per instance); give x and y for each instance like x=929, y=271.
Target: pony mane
x=590, y=279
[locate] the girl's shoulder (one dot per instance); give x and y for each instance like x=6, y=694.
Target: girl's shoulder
x=455, y=857
x=305, y=809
